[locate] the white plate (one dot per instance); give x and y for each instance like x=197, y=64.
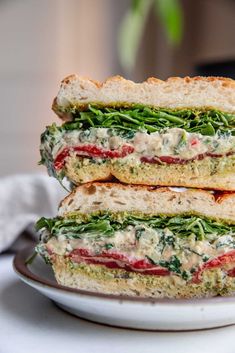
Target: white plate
x=128, y=312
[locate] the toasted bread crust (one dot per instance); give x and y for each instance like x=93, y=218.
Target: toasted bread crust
x=174, y=93
x=98, y=278
x=227, y=82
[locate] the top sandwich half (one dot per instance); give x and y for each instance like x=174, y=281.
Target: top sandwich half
x=179, y=132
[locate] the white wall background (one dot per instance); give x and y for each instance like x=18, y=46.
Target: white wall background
x=40, y=43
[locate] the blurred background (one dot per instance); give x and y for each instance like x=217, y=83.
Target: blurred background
x=43, y=41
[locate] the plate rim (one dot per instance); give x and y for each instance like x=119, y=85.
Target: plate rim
x=21, y=269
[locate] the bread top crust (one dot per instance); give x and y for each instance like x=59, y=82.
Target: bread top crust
x=174, y=93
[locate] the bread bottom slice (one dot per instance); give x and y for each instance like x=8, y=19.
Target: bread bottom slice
x=208, y=173
x=116, y=197
x=100, y=279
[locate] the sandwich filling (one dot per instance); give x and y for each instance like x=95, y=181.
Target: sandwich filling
x=148, y=244
x=142, y=134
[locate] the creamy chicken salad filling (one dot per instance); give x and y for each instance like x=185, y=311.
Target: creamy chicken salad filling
x=148, y=135
x=182, y=245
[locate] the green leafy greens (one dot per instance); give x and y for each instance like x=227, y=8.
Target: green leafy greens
x=173, y=265
x=105, y=225
x=205, y=122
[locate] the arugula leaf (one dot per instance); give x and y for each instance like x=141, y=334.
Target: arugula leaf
x=208, y=130
x=89, y=230
x=45, y=223
x=105, y=224
x=139, y=117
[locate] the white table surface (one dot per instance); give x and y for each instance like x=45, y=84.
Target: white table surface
x=30, y=322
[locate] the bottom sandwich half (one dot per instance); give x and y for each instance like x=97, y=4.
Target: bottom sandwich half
x=186, y=251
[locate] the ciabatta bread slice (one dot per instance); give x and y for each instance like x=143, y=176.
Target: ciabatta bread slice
x=115, y=197
x=197, y=92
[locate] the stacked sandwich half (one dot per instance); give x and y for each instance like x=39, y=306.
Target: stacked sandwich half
x=152, y=172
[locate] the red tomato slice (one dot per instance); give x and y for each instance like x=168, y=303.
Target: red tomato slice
x=113, y=265
x=106, y=254
x=91, y=151
x=219, y=261
x=118, y=260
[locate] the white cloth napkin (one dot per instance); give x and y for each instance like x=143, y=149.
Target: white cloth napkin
x=24, y=199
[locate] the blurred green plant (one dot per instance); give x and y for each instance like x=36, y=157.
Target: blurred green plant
x=170, y=14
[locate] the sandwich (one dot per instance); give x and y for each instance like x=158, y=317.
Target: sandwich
x=178, y=132
x=143, y=241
